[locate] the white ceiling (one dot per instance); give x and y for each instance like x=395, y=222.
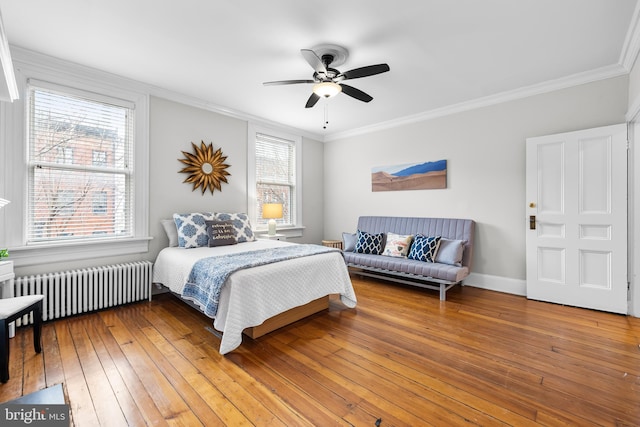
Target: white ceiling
x=442, y=53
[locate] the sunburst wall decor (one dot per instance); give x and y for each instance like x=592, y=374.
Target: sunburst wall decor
x=205, y=167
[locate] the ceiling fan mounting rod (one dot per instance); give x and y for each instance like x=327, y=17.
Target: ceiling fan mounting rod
x=327, y=59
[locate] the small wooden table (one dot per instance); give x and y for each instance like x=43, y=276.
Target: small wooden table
x=332, y=243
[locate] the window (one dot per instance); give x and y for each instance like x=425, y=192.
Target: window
x=274, y=176
x=99, y=158
x=65, y=155
x=54, y=136
x=100, y=205
x=74, y=193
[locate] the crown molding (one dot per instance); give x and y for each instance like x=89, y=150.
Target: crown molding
x=8, y=86
x=603, y=73
x=208, y=106
x=29, y=58
x=630, y=50
x=631, y=46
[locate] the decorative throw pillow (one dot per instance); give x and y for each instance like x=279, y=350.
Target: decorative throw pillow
x=241, y=223
x=169, y=226
x=349, y=242
x=450, y=251
x=192, y=229
x=397, y=245
x=424, y=248
x=368, y=243
x=221, y=233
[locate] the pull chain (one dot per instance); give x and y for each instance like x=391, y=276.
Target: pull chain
x=326, y=115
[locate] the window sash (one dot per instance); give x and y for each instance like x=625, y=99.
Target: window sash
x=275, y=168
x=65, y=129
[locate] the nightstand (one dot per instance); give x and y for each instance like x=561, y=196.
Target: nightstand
x=333, y=243
x=6, y=286
x=272, y=237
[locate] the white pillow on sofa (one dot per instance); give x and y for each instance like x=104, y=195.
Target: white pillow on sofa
x=450, y=252
x=349, y=241
x=397, y=245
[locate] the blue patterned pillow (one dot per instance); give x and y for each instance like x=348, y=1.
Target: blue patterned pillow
x=368, y=243
x=192, y=229
x=240, y=221
x=424, y=248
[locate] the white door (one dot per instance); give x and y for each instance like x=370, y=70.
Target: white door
x=577, y=218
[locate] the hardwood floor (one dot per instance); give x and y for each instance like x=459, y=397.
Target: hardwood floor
x=402, y=356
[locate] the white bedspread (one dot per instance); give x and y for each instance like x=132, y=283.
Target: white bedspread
x=253, y=295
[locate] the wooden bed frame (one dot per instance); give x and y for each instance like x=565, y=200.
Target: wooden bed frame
x=288, y=317
x=279, y=320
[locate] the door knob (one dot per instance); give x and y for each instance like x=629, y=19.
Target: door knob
x=532, y=205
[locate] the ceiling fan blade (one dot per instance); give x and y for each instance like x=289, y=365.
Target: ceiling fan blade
x=355, y=93
x=312, y=100
x=287, y=82
x=313, y=60
x=370, y=70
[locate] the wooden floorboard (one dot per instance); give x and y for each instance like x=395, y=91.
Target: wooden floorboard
x=403, y=356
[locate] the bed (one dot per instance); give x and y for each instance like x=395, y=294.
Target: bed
x=260, y=299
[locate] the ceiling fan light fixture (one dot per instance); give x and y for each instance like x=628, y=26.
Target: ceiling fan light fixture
x=327, y=89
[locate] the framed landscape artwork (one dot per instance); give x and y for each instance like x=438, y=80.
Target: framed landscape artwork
x=412, y=176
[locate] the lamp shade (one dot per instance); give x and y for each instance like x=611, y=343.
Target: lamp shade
x=272, y=210
x=327, y=89
x=3, y=202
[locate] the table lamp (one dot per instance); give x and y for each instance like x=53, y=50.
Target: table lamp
x=272, y=211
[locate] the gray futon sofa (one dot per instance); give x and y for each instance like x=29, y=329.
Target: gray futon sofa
x=452, y=262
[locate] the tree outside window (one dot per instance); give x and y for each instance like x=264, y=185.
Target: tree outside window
x=80, y=167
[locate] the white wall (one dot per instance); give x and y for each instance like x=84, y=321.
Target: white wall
x=313, y=191
x=634, y=87
x=485, y=153
x=173, y=126
x=633, y=116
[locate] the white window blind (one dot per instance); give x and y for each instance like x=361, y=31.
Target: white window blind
x=276, y=176
x=80, y=162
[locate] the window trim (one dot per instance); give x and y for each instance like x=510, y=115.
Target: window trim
x=13, y=146
x=253, y=129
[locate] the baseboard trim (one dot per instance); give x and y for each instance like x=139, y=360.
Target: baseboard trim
x=496, y=283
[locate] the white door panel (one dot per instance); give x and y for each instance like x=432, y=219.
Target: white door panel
x=577, y=228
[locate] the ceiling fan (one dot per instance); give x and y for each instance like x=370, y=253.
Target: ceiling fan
x=327, y=81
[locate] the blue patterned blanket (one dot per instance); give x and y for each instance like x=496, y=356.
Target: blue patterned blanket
x=209, y=275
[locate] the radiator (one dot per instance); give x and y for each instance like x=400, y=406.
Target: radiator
x=71, y=292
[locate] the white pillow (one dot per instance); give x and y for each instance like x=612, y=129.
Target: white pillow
x=349, y=242
x=450, y=252
x=397, y=245
x=169, y=226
